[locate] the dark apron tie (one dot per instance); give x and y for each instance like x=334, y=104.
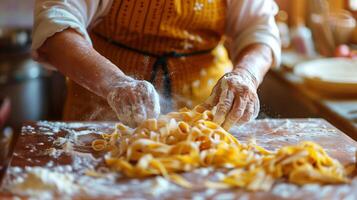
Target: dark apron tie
x=160, y=63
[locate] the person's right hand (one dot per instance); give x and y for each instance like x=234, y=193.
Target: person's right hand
x=134, y=101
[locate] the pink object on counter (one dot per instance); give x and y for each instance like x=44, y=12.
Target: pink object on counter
x=302, y=41
x=4, y=111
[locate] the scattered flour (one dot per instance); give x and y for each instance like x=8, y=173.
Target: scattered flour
x=204, y=171
x=210, y=192
x=42, y=183
x=224, y=196
x=198, y=197
x=160, y=186
x=63, y=145
x=285, y=190
x=53, y=152
x=219, y=175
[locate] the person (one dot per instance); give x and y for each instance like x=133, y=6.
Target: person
x=119, y=55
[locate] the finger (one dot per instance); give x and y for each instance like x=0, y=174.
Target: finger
x=112, y=99
x=236, y=113
x=248, y=114
x=256, y=108
x=255, y=104
x=224, y=106
x=142, y=110
x=123, y=111
x=129, y=109
x=212, y=100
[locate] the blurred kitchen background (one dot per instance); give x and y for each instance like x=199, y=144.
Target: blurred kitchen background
x=27, y=91
x=317, y=77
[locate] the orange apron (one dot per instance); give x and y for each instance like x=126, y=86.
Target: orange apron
x=158, y=27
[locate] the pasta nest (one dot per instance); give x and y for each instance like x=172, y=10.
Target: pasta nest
x=189, y=139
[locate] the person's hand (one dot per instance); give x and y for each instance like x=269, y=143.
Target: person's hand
x=235, y=97
x=134, y=101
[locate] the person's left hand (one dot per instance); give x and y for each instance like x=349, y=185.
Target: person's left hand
x=235, y=97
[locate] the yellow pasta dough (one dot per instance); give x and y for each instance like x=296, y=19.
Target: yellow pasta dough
x=188, y=139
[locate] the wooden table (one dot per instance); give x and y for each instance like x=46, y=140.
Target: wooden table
x=71, y=157
x=289, y=93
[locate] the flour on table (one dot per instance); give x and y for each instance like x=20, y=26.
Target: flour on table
x=63, y=145
x=285, y=190
x=160, y=186
x=225, y=196
x=42, y=183
x=203, y=171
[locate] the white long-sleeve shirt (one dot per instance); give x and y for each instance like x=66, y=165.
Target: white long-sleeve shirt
x=248, y=22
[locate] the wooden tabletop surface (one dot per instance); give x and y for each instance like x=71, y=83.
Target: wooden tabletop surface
x=341, y=112
x=64, y=148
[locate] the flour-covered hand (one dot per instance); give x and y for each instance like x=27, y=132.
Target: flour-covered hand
x=235, y=97
x=134, y=101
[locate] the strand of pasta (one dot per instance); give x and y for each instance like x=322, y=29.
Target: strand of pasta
x=188, y=139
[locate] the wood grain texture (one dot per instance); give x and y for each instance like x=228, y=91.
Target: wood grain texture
x=269, y=133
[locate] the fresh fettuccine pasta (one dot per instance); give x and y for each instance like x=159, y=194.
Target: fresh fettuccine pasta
x=188, y=139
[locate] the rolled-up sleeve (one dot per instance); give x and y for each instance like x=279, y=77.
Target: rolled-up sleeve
x=53, y=16
x=250, y=22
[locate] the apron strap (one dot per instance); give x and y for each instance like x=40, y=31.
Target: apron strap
x=160, y=63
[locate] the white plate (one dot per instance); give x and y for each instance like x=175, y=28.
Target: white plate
x=330, y=75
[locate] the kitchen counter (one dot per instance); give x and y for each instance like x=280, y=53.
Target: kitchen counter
x=304, y=101
x=64, y=149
